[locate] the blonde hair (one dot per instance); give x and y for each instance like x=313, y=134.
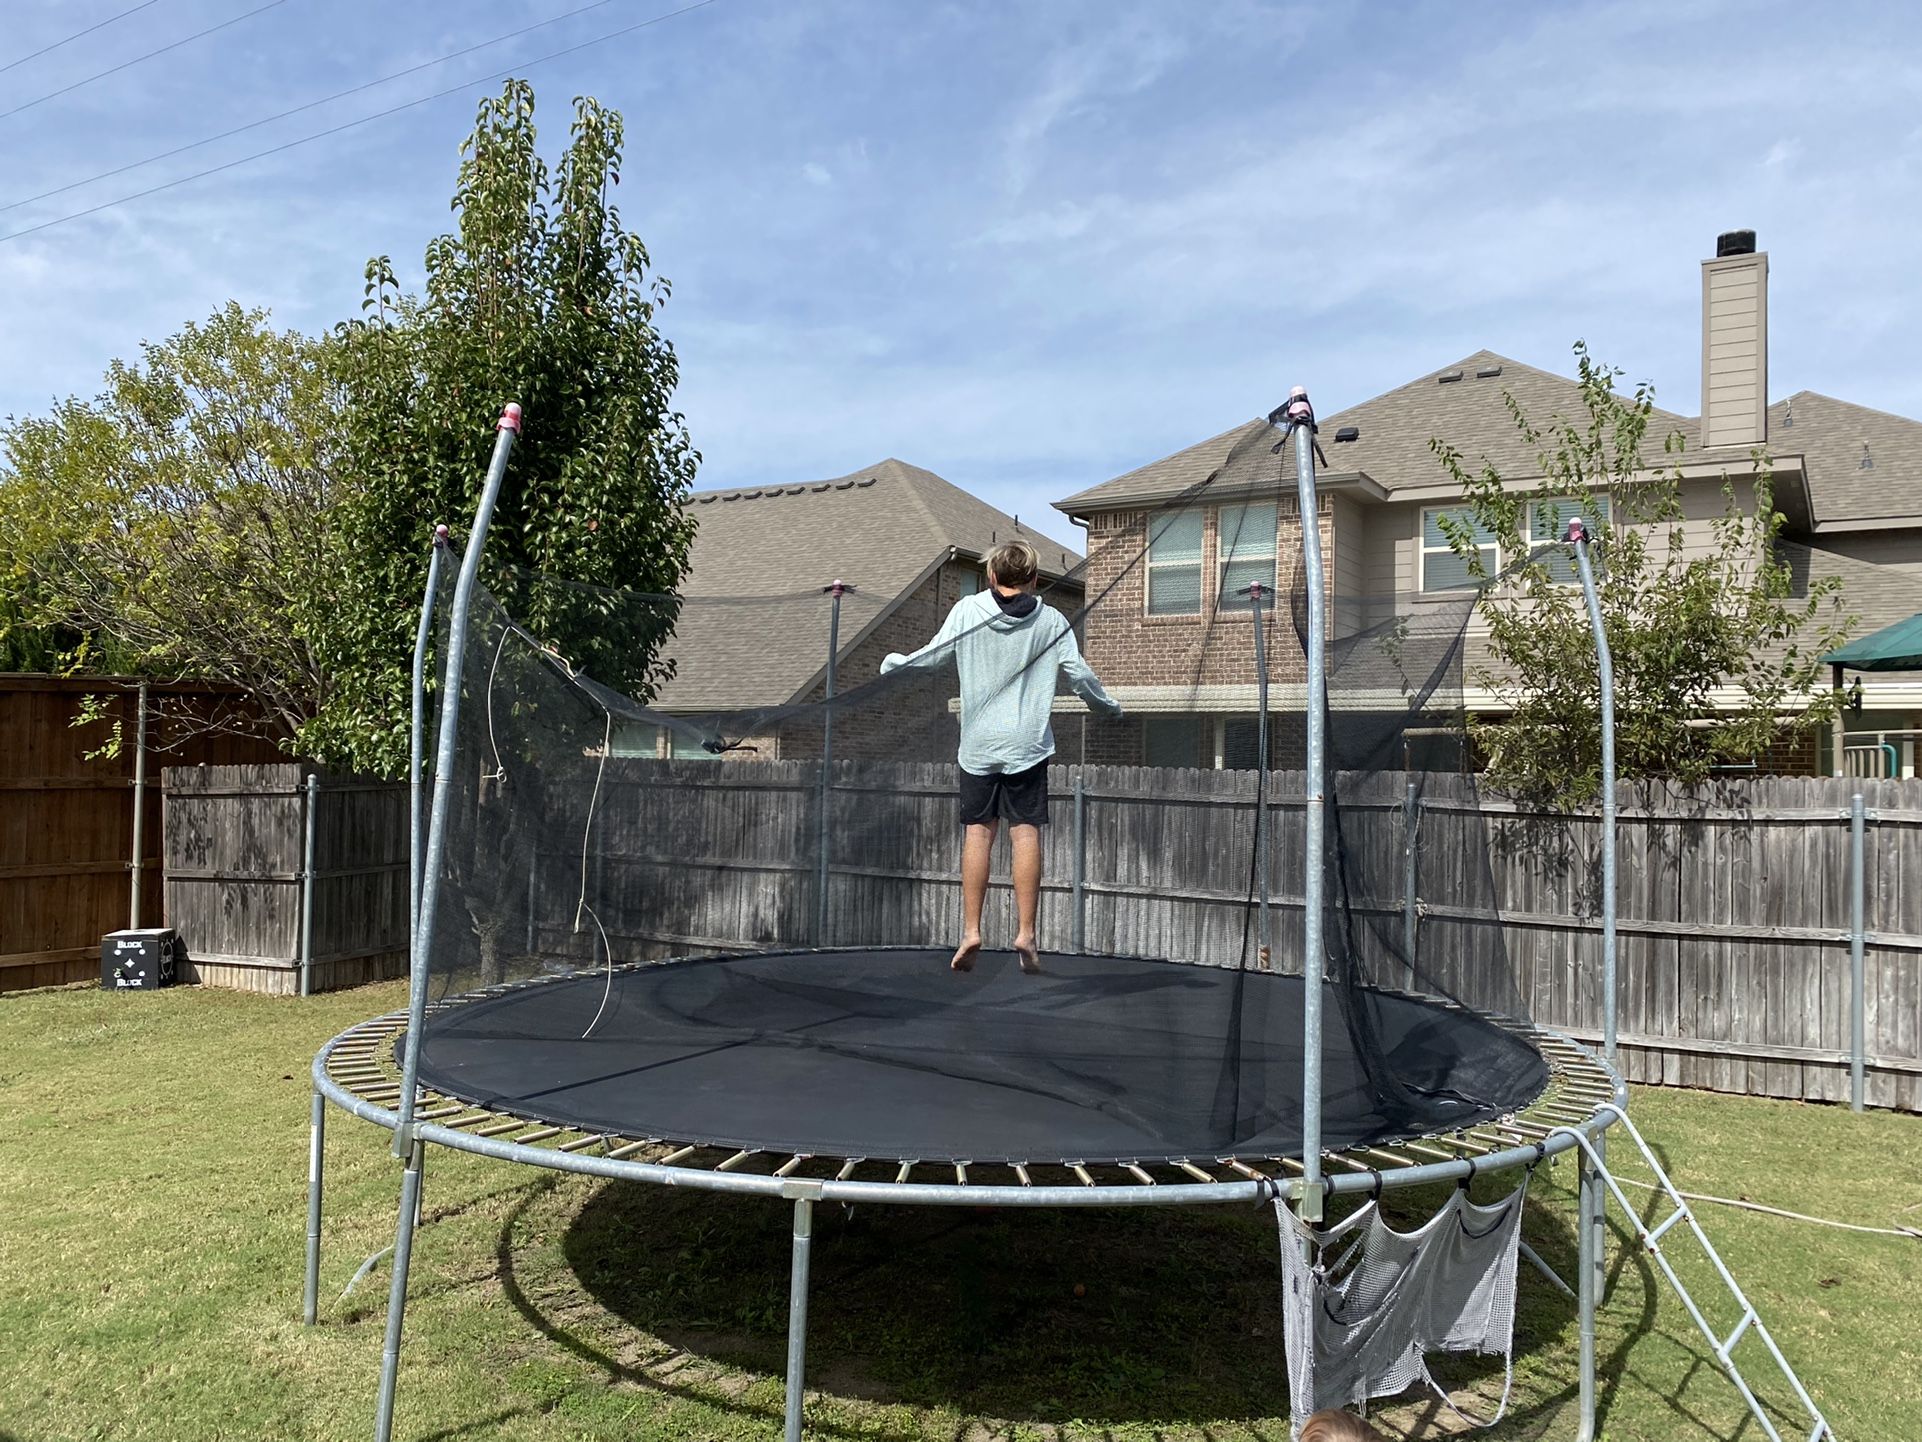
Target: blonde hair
x=1014, y=563
x=1334, y=1425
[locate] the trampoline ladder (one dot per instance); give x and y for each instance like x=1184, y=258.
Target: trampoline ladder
x=1650, y=1237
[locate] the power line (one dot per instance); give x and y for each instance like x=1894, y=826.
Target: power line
x=77, y=35
x=351, y=124
x=139, y=59
x=300, y=109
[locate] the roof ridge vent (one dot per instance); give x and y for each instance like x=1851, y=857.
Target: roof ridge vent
x=1447, y=377
x=1487, y=373
x=1348, y=433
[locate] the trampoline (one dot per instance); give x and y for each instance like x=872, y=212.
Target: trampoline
x=722, y=974
x=887, y=1054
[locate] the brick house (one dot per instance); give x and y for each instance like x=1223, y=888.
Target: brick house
x=1174, y=638
x=753, y=629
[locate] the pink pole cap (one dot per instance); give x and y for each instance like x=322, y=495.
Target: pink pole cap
x=510, y=418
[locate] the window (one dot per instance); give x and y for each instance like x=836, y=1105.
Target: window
x=969, y=582
x=640, y=739
x=1548, y=522
x=1176, y=741
x=1174, y=565
x=1246, y=547
x=683, y=745
x=1441, y=568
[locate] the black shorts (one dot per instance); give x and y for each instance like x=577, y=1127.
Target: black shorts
x=1018, y=797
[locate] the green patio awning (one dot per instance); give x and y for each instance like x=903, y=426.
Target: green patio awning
x=1893, y=648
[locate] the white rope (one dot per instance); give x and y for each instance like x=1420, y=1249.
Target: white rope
x=1910, y=1232
x=587, y=831
x=607, y=989
x=499, y=773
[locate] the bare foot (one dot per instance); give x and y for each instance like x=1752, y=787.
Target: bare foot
x=1028, y=954
x=965, y=953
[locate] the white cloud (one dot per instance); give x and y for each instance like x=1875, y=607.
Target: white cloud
x=816, y=174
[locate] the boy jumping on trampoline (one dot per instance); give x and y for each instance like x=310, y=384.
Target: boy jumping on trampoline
x=1009, y=649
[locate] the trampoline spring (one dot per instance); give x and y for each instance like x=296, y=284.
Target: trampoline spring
x=627, y=1149
x=1021, y=1172
x=847, y=1168
x=902, y=1174
x=961, y=1174
x=539, y=1134
x=1082, y=1172
x=792, y=1164
x=1196, y=1172
x=677, y=1156
x=581, y=1144
x=1138, y=1174
x=1243, y=1169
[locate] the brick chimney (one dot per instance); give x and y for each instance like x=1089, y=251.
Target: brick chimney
x=1735, y=342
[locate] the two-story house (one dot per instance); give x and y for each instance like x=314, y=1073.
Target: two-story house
x=1174, y=640
x=754, y=625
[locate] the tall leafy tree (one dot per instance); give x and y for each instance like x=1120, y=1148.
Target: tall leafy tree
x=1695, y=614
x=178, y=524
x=538, y=296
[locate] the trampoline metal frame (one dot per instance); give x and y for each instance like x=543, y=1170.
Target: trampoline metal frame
x=348, y=1071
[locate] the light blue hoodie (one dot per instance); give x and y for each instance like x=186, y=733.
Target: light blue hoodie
x=1009, y=666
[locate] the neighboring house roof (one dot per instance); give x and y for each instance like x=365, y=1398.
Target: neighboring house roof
x=1469, y=412
x=1830, y=436
x=753, y=627
x=1877, y=597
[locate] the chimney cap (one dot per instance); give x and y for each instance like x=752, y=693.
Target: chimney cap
x=1735, y=242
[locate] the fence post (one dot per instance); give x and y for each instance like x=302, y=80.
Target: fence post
x=312, y=810
x=823, y=839
x=1858, y=1020
x=1410, y=872
x=1080, y=860
x=139, y=805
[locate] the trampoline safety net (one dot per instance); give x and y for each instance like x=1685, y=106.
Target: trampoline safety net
x=697, y=884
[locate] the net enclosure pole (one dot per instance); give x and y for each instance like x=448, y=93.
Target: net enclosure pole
x=311, y=815
x=506, y=430
x=822, y=840
x=1588, y=1276
x=406, y=1143
x=417, y=832
x=1579, y=538
x=1410, y=875
x=1858, y=1014
x=1300, y=418
x=1264, y=938
x=316, y=1160
x=139, y=805
x=797, y=1317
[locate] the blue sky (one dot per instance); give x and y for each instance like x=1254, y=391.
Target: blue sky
x=1026, y=245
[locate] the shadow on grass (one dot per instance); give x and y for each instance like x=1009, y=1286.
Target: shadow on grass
x=1177, y=1323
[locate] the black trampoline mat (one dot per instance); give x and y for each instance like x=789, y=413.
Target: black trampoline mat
x=887, y=1054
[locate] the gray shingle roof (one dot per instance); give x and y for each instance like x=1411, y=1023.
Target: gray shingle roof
x=1829, y=435
x=753, y=626
x=1392, y=449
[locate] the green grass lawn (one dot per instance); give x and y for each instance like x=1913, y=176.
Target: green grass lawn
x=152, y=1209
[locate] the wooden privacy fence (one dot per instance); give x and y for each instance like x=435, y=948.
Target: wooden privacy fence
x=248, y=907
x=1735, y=939
x=67, y=860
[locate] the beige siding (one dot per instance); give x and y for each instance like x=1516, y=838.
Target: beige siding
x=1348, y=563
x=1735, y=351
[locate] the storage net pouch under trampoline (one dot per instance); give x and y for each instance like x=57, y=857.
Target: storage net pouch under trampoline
x=1364, y=1305
x=695, y=884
